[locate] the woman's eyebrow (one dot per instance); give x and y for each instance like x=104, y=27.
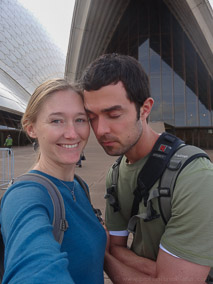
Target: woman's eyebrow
x=55, y=113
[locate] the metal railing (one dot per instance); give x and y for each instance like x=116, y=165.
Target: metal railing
x=7, y=166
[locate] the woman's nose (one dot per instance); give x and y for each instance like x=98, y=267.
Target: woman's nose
x=70, y=131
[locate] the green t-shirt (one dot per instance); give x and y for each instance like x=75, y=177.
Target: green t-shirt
x=8, y=142
x=189, y=231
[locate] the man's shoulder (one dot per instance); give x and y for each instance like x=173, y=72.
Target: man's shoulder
x=195, y=180
x=198, y=166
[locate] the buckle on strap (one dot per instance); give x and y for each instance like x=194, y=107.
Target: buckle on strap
x=140, y=192
x=151, y=213
x=112, y=198
x=98, y=214
x=164, y=192
x=63, y=225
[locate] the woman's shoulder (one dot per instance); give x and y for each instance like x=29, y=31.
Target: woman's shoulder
x=25, y=193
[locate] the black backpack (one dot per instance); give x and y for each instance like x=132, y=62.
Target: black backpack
x=60, y=223
x=169, y=156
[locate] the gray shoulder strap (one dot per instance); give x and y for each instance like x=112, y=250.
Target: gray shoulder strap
x=83, y=185
x=97, y=211
x=60, y=224
x=180, y=160
x=111, y=194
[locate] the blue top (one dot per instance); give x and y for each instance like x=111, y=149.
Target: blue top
x=31, y=253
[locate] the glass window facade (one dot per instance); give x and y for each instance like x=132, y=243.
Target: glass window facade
x=180, y=84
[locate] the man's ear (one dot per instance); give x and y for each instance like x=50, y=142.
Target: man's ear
x=146, y=108
x=31, y=131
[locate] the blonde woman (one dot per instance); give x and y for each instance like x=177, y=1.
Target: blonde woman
x=56, y=118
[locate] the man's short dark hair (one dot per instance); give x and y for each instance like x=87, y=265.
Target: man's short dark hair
x=109, y=69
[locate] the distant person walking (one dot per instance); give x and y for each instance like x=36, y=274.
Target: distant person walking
x=8, y=142
x=82, y=158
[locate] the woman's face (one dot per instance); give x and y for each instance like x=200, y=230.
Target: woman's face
x=62, y=129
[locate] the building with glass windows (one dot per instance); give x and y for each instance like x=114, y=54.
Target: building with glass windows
x=173, y=41
x=27, y=58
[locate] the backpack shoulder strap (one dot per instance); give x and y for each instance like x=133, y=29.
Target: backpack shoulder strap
x=181, y=158
x=111, y=194
x=97, y=211
x=177, y=163
x=60, y=224
x=162, y=151
x=83, y=185
x=164, y=148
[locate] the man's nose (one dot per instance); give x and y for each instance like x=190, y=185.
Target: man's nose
x=102, y=127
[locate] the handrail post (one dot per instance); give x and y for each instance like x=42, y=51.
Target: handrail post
x=7, y=166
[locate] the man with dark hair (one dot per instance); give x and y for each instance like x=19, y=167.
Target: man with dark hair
x=118, y=103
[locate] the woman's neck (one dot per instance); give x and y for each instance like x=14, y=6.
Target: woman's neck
x=65, y=173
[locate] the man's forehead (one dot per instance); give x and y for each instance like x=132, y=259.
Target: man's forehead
x=105, y=109
x=108, y=98
x=104, y=99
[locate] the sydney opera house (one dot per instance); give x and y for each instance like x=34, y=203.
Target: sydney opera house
x=172, y=39
x=27, y=58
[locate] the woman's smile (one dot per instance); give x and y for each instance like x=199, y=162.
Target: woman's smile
x=69, y=146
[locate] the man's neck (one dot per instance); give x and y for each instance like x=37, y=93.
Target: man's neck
x=143, y=147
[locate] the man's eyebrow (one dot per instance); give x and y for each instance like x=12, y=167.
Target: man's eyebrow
x=112, y=108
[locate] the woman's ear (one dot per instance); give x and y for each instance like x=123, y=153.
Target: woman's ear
x=146, y=108
x=31, y=131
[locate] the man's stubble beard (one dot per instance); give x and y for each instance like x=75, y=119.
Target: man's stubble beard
x=126, y=148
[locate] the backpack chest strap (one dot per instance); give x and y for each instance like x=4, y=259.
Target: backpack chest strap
x=149, y=215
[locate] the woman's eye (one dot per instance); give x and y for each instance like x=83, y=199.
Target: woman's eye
x=81, y=120
x=57, y=121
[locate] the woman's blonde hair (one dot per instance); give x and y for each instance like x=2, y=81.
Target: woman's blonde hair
x=40, y=95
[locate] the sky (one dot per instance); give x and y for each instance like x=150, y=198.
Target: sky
x=55, y=16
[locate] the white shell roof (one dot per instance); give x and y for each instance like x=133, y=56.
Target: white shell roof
x=27, y=56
